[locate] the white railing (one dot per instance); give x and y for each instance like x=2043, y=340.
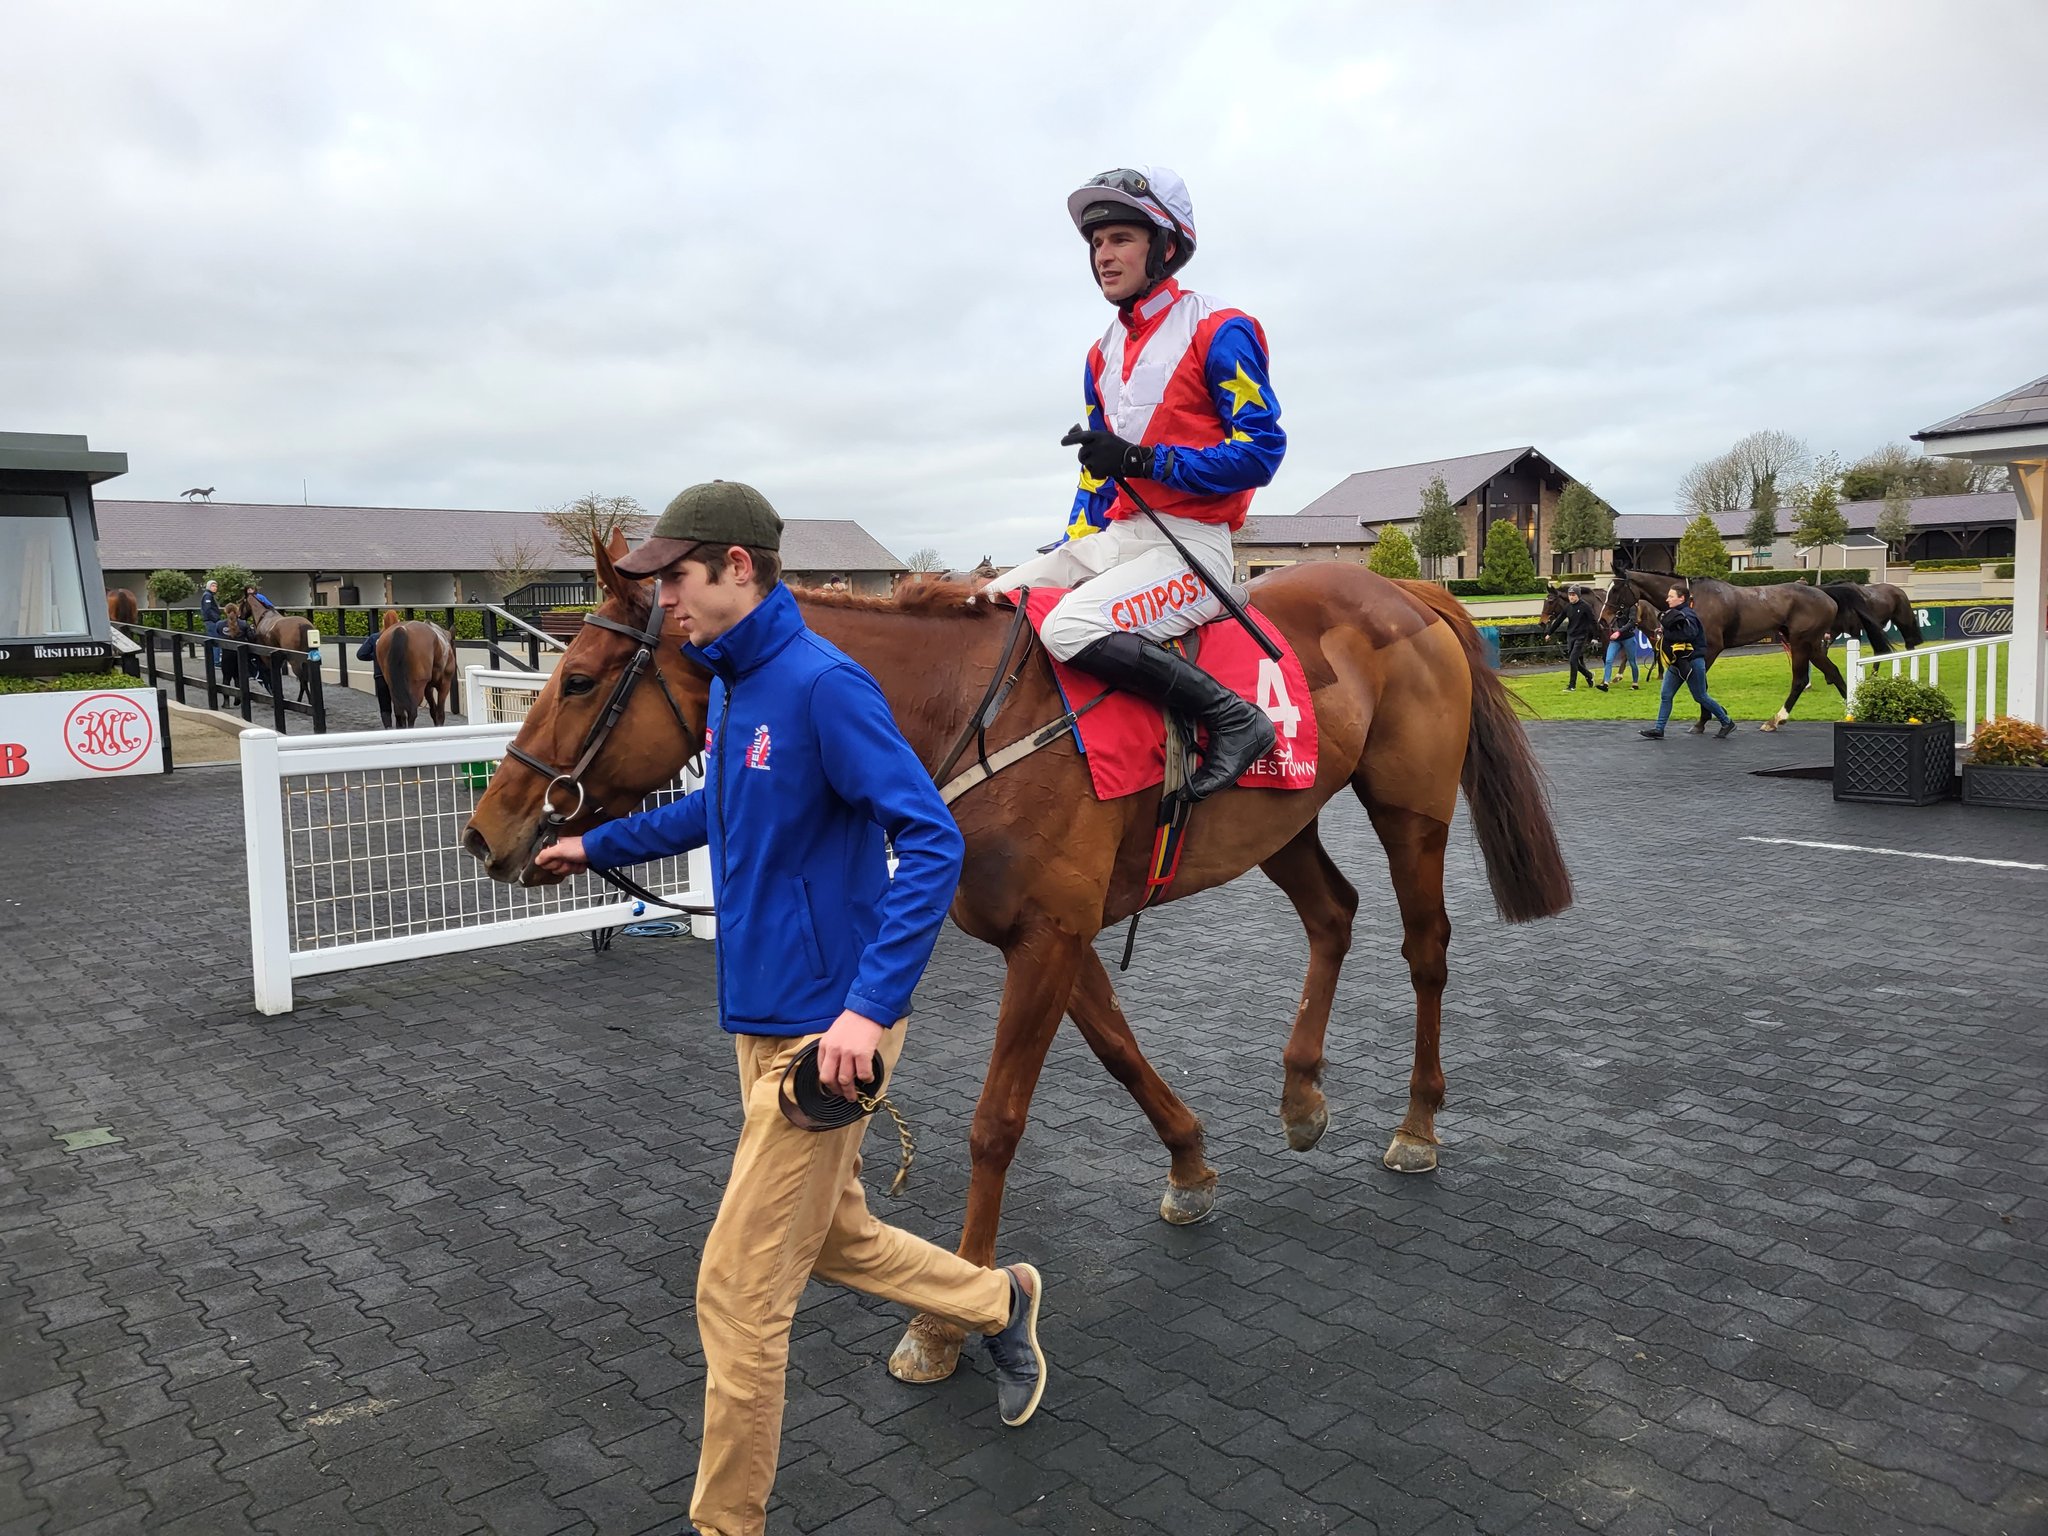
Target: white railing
x=1993, y=650
x=355, y=857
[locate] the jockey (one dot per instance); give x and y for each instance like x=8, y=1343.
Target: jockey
x=1176, y=395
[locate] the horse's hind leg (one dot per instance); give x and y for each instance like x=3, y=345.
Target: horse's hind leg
x=1040, y=979
x=1326, y=904
x=1191, y=1185
x=1415, y=860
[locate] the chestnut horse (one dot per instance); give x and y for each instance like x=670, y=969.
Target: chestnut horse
x=1799, y=617
x=1406, y=709
x=256, y=621
x=417, y=662
x=122, y=607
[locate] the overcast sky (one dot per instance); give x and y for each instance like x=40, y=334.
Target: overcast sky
x=500, y=255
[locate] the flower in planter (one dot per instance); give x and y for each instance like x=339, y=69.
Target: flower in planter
x=2009, y=743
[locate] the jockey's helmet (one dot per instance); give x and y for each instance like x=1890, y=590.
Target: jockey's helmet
x=1153, y=196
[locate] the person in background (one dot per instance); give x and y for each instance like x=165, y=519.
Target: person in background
x=1622, y=630
x=1579, y=624
x=216, y=628
x=1684, y=640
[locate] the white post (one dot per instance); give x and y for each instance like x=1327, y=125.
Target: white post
x=2025, y=697
x=1970, y=691
x=472, y=695
x=270, y=943
x=1852, y=673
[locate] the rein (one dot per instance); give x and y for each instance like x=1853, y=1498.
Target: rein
x=975, y=732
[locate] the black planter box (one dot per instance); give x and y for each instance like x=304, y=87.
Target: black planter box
x=1895, y=764
x=2005, y=784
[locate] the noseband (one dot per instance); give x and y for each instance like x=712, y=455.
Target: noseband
x=614, y=709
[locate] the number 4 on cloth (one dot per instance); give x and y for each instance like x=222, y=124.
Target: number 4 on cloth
x=1273, y=699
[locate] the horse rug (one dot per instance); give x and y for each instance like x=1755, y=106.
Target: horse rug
x=1123, y=739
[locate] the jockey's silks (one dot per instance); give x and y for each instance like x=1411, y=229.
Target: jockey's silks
x=1186, y=377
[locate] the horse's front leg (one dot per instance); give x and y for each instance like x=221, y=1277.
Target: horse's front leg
x=1191, y=1184
x=1041, y=976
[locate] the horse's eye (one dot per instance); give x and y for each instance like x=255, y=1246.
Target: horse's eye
x=578, y=684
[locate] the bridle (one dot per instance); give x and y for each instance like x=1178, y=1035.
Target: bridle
x=645, y=639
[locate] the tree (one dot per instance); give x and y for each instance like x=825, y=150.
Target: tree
x=1817, y=518
x=1439, y=533
x=235, y=581
x=1767, y=461
x=1718, y=484
x=169, y=587
x=520, y=558
x=576, y=524
x=1895, y=521
x=925, y=559
x=1872, y=475
x=1700, y=550
x=1505, y=566
x=1761, y=531
x=1576, y=524
x=1394, y=555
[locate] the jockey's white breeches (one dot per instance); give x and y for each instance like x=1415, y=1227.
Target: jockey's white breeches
x=1127, y=577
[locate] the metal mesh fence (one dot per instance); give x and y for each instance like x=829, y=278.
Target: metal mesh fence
x=377, y=854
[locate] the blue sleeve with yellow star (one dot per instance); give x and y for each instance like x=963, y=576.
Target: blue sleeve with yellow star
x=1092, y=498
x=1248, y=458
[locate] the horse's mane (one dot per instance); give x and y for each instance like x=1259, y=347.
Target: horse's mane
x=956, y=599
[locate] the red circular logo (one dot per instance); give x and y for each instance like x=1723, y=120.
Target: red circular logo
x=107, y=732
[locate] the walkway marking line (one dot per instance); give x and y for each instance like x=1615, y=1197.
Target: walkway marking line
x=1897, y=853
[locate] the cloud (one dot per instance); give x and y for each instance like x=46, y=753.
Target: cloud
x=499, y=256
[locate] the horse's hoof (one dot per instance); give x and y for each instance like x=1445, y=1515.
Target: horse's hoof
x=1184, y=1205
x=1410, y=1154
x=1768, y=725
x=1306, y=1131
x=928, y=1350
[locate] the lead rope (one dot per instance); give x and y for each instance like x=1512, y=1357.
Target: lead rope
x=904, y=1139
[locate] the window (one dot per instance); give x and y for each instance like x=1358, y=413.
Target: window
x=41, y=590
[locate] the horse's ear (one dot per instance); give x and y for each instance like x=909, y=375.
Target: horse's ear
x=1620, y=563
x=604, y=553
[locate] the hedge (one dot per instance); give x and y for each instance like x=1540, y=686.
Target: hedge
x=2002, y=572
x=1858, y=573
x=1946, y=565
x=1481, y=589
x=70, y=682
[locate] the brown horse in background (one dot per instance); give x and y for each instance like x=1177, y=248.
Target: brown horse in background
x=416, y=660
x=287, y=631
x=122, y=606
x=1406, y=710
x=1866, y=608
x=1797, y=616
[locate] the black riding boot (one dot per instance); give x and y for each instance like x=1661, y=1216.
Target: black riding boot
x=1239, y=732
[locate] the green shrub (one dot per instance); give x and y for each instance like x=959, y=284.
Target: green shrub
x=1900, y=701
x=1394, y=556
x=2009, y=743
x=2003, y=571
x=235, y=581
x=1946, y=565
x=1458, y=588
x=1505, y=567
x=170, y=586
x=1766, y=578
x=70, y=682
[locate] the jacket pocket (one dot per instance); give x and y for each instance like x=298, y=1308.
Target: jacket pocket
x=807, y=927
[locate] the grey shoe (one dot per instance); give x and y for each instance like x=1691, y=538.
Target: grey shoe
x=1019, y=1362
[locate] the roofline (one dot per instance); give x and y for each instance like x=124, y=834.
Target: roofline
x=1485, y=453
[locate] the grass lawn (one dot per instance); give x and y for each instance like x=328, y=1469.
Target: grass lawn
x=1751, y=687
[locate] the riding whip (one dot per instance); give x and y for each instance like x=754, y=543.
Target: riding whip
x=1224, y=594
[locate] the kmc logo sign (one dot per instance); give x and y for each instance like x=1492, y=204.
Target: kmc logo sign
x=107, y=732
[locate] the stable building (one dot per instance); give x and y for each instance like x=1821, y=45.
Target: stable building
x=1519, y=485
x=1974, y=526
x=410, y=555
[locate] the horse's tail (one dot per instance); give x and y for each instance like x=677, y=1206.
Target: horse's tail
x=1503, y=783
x=397, y=674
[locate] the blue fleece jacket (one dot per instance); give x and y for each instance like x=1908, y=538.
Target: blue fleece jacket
x=805, y=776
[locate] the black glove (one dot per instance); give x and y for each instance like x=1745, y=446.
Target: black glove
x=1107, y=456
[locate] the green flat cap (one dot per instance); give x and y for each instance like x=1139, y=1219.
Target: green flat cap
x=719, y=512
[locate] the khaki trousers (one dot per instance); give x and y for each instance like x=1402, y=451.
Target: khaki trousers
x=793, y=1208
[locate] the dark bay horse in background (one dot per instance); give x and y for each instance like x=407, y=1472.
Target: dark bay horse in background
x=417, y=662
x=1406, y=710
x=251, y=620
x=1867, y=608
x=122, y=607
x=1797, y=616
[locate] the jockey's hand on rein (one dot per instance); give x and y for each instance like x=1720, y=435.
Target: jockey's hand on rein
x=1106, y=456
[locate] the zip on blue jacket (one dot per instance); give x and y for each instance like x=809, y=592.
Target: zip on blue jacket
x=805, y=777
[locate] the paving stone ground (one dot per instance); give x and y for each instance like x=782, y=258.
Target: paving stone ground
x=1738, y=1229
